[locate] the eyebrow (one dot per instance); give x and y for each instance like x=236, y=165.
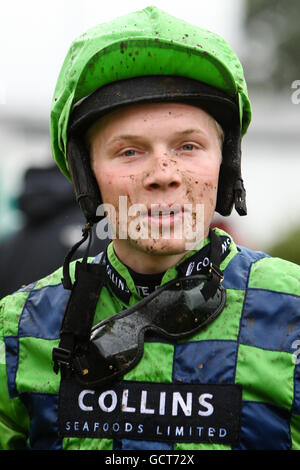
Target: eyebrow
x=124, y=137
x=135, y=136
x=190, y=131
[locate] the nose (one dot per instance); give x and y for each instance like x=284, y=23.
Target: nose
x=163, y=173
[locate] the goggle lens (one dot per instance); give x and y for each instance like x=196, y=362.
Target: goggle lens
x=175, y=311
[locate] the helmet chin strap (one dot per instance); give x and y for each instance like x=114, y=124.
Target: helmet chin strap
x=240, y=197
x=86, y=232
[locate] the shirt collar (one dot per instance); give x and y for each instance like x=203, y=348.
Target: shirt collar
x=196, y=261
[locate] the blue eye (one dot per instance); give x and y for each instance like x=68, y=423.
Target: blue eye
x=129, y=153
x=188, y=147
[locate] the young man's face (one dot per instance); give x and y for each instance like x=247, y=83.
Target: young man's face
x=164, y=160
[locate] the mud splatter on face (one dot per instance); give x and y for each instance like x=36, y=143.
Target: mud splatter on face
x=157, y=171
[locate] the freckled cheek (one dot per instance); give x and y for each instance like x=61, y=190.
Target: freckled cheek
x=203, y=189
x=112, y=187
x=106, y=185
x=202, y=186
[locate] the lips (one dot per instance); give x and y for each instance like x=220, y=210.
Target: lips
x=165, y=215
x=164, y=210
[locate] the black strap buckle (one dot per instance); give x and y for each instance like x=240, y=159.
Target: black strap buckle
x=81, y=365
x=61, y=356
x=217, y=271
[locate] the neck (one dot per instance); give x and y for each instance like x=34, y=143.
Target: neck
x=145, y=262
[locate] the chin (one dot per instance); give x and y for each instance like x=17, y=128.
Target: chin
x=161, y=247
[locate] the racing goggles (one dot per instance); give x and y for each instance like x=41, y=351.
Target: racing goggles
x=174, y=311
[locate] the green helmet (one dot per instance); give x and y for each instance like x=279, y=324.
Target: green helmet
x=148, y=55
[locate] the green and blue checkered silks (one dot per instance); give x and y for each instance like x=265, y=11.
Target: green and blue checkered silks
x=252, y=343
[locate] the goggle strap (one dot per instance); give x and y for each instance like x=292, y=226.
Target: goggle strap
x=80, y=311
x=211, y=286
x=215, y=248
